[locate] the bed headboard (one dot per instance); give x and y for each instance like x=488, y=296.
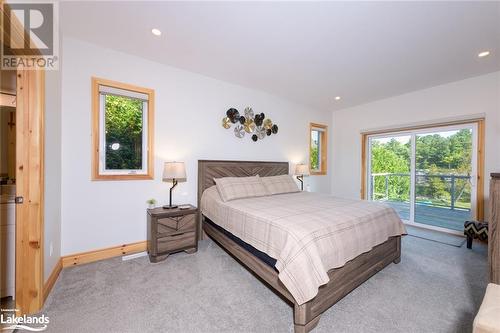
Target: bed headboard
x=208, y=170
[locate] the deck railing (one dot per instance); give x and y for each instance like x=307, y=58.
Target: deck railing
x=422, y=180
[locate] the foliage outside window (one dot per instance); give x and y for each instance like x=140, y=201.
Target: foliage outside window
x=391, y=157
x=122, y=131
x=318, y=149
x=123, y=121
x=438, y=157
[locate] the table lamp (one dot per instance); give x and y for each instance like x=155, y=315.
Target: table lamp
x=301, y=170
x=173, y=171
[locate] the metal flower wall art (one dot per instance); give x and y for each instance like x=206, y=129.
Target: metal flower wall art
x=255, y=125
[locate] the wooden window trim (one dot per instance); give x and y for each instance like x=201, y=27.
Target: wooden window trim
x=96, y=82
x=323, y=147
x=480, y=155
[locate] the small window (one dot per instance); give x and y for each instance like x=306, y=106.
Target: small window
x=122, y=131
x=318, y=149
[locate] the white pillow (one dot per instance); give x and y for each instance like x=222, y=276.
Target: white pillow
x=280, y=184
x=231, y=188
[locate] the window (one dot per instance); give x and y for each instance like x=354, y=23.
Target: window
x=318, y=149
x=431, y=175
x=122, y=131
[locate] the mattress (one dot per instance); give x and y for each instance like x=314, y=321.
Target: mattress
x=307, y=233
x=271, y=262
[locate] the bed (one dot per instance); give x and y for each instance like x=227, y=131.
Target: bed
x=336, y=282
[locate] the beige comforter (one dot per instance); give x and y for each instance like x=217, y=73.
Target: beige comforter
x=307, y=233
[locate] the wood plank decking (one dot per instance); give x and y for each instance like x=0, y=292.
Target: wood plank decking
x=437, y=216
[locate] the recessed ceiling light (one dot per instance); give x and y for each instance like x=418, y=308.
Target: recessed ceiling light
x=337, y=98
x=483, y=54
x=156, y=32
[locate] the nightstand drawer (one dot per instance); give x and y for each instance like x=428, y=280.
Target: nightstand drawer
x=176, y=242
x=171, y=230
x=171, y=225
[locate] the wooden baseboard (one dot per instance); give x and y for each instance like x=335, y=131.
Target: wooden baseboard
x=88, y=257
x=49, y=284
x=96, y=255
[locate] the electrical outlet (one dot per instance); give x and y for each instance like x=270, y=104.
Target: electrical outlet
x=51, y=249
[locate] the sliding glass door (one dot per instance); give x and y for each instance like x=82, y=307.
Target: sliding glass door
x=427, y=175
x=390, y=166
x=443, y=182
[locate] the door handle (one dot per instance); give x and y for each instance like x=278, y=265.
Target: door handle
x=19, y=200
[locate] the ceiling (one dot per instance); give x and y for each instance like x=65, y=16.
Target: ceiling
x=307, y=52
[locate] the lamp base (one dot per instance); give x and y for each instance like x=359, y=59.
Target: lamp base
x=301, y=180
x=169, y=207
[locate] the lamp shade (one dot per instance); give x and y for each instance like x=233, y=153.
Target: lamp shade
x=302, y=169
x=174, y=170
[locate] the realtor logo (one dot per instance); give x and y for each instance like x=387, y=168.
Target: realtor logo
x=30, y=36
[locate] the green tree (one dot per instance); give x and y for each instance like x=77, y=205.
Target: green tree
x=123, y=125
x=391, y=157
x=436, y=155
x=314, y=157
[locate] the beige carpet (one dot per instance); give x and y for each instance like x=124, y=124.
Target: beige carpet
x=435, y=288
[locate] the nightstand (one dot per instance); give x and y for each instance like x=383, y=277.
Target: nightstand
x=171, y=230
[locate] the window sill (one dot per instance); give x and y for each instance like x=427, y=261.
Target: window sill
x=318, y=173
x=122, y=177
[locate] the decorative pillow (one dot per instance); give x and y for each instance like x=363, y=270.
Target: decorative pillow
x=231, y=188
x=280, y=184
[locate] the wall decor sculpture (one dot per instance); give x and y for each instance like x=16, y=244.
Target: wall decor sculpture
x=255, y=125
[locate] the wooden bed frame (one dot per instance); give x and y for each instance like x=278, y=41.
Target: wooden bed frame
x=342, y=280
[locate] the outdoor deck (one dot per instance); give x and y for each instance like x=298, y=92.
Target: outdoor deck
x=437, y=216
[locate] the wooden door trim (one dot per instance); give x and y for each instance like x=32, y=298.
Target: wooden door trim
x=480, y=169
x=30, y=134
x=30, y=185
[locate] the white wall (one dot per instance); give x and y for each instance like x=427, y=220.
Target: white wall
x=52, y=208
x=189, y=109
x=479, y=95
